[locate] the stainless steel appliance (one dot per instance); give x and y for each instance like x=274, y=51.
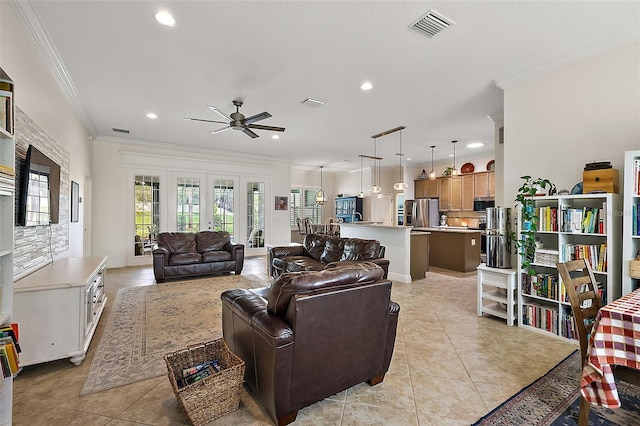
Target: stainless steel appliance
x=481, y=204
x=422, y=212
x=498, y=245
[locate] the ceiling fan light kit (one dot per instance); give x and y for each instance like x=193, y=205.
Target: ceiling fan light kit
x=237, y=121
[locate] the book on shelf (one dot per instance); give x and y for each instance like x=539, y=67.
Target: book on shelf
x=6, y=170
x=6, y=110
x=636, y=176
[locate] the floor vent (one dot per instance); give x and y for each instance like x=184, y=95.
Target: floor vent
x=431, y=24
x=120, y=130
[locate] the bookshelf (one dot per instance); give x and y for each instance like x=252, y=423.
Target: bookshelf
x=7, y=208
x=631, y=225
x=570, y=226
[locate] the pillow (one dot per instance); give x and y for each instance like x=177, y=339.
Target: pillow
x=332, y=250
x=359, y=249
x=290, y=284
x=212, y=240
x=314, y=245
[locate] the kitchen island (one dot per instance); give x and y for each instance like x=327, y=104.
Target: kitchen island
x=454, y=248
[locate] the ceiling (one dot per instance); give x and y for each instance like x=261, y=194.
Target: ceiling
x=121, y=64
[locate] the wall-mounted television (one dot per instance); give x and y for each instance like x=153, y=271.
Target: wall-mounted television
x=38, y=190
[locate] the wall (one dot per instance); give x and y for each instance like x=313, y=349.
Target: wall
x=41, y=99
x=115, y=161
x=557, y=123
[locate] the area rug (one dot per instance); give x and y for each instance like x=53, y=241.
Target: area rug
x=150, y=321
x=554, y=400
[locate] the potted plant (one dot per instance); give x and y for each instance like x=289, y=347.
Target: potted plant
x=526, y=243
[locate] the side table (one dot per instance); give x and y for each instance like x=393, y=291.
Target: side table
x=496, y=292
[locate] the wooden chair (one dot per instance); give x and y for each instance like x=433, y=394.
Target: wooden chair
x=301, y=228
x=582, y=289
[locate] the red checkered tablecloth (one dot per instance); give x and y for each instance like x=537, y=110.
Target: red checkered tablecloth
x=616, y=340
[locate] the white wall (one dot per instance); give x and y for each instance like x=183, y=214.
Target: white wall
x=115, y=160
x=40, y=97
x=557, y=123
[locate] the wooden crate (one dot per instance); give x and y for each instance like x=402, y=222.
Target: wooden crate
x=605, y=180
x=634, y=268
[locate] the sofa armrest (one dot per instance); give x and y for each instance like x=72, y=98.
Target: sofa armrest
x=160, y=260
x=383, y=263
x=394, y=312
x=279, y=252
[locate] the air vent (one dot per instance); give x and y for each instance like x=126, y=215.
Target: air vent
x=431, y=24
x=120, y=130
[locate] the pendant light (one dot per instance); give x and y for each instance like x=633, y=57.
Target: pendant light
x=321, y=197
x=361, y=194
x=375, y=189
x=454, y=171
x=432, y=173
x=401, y=185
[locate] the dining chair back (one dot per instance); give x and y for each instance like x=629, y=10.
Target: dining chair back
x=584, y=296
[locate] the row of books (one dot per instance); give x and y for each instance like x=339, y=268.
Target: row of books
x=635, y=219
x=561, y=323
x=595, y=254
x=544, y=285
x=635, y=170
x=9, y=349
x=585, y=220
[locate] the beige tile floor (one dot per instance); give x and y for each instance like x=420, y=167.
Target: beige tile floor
x=449, y=367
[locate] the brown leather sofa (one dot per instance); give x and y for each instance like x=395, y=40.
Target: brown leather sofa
x=311, y=335
x=319, y=250
x=187, y=254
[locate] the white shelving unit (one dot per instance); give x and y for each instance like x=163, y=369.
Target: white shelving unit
x=631, y=241
x=543, y=307
x=7, y=207
x=497, y=293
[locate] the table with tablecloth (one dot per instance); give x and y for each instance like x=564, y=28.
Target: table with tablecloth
x=614, y=341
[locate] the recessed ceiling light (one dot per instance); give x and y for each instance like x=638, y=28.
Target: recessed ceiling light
x=366, y=86
x=165, y=18
x=275, y=137
x=151, y=115
x=475, y=145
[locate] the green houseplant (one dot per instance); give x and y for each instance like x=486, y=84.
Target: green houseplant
x=526, y=243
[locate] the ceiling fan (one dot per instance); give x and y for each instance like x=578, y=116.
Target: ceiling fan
x=237, y=121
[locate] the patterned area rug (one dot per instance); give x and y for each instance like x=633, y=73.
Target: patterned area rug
x=147, y=322
x=554, y=400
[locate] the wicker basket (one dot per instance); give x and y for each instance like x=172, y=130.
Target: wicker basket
x=213, y=396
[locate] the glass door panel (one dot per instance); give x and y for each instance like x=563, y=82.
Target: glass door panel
x=146, y=213
x=188, y=214
x=223, y=206
x=255, y=214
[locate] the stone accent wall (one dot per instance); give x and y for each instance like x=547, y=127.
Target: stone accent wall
x=35, y=246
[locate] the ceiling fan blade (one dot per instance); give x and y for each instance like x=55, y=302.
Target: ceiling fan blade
x=206, y=121
x=260, y=127
x=257, y=117
x=248, y=131
x=220, y=112
x=222, y=129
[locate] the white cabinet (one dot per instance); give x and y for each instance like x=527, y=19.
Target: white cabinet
x=563, y=234
x=631, y=228
x=7, y=205
x=497, y=293
x=58, y=308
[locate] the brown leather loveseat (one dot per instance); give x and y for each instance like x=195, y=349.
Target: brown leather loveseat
x=319, y=250
x=186, y=254
x=311, y=335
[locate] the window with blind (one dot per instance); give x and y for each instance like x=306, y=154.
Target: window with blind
x=302, y=203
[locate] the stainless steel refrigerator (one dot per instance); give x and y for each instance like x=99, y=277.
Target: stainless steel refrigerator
x=422, y=212
x=498, y=245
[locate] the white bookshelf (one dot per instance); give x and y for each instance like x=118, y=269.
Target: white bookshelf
x=550, y=313
x=630, y=241
x=7, y=209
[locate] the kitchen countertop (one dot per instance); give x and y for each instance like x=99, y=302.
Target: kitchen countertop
x=457, y=229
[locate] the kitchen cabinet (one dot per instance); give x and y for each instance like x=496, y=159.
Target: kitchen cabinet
x=427, y=188
x=349, y=209
x=485, y=184
x=456, y=193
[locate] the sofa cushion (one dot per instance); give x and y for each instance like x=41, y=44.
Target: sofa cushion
x=178, y=242
x=211, y=240
x=314, y=244
x=332, y=250
x=303, y=263
x=293, y=283
x=216, y=256
x=184, y=259
x=359, y=249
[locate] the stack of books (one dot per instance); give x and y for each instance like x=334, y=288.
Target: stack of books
x=9, y=349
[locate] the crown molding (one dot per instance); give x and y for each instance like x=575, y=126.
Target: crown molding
x=571, y=59
x=38, y=33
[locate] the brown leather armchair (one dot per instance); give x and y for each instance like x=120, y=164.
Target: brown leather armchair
x=311, y=335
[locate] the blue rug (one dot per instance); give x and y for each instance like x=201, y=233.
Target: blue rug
x=554, y=400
